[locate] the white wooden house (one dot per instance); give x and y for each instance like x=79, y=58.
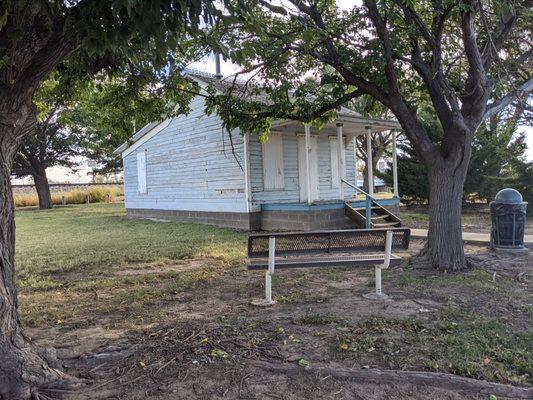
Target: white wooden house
x=189, y=168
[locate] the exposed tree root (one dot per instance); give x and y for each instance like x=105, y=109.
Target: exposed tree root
x=439, y=380
x=421, y=260
x=26, y=375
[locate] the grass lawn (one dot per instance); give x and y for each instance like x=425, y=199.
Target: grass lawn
x=98, y=237
x=179, y=296
x=66, y=256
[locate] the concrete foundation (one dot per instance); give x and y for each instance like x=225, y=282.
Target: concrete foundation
x=243, y=221
x=312, y=218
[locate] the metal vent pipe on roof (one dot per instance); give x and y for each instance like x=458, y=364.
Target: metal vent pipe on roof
x=218, y=74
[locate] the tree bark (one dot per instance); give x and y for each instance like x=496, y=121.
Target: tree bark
x=43, y=189
x=458, y=384
x=445, y=242
x=24, y=374
x=375, y=159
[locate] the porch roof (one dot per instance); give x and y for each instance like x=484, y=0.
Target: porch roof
x=353, y=124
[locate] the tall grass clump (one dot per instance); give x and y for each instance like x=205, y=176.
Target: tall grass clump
x=26, y=200
x=76, y=196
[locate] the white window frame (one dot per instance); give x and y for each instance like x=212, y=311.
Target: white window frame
x=142, y=186
x=273, y=174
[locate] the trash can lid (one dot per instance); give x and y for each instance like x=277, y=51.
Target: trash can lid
x=508, y=196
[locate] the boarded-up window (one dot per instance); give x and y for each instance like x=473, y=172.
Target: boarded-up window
x=141, y=172
x=273, y=163
x=334, y=155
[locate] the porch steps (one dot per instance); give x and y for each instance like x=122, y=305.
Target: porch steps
x=380, y=218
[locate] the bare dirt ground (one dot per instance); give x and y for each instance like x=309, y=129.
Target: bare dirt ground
x=186, y=330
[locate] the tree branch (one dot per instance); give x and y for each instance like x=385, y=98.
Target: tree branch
x=521, y=93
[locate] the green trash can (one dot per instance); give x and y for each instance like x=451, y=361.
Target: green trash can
x=508, y=214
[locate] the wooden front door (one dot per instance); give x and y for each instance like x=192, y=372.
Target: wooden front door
x=313, y=167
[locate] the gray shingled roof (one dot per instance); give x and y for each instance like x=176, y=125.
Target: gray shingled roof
x=240, y=89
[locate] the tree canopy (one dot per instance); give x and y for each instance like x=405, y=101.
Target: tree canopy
x=466, y=59
x=79, y=38
x=110, y=107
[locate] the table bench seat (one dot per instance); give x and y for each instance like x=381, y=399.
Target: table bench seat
x=338, y=248
x=360, y=260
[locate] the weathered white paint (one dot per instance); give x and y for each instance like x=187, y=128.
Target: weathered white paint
x=247, y=184
x=337, y=168
x=307, y=184
x=394, y=166
x=273, y=162
x=334, y=156
x=355, y=172
x=291, y=160
x=190, y=166
x=370, y=172
x=340, y=161
x=141, y=171
x=308, y=168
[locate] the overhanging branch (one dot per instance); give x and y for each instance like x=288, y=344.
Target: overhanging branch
x=521, y=93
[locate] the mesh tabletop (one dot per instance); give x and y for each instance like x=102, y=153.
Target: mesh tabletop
x=294, y=243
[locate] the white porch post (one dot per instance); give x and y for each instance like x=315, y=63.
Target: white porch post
x=341, y=161
x=307, y=172
x=394, y=166
x=369, y=170
x=355, y=159
x=247, y=186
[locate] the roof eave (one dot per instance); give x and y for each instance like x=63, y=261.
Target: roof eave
x=136, y=136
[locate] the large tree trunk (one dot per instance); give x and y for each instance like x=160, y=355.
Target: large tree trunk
x=445, y=243
x=23, y=372
x=43, y=189
x=375, y=160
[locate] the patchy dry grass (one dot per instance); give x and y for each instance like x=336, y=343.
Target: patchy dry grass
x=68, y=260
x=453, y=342
x=177, y=294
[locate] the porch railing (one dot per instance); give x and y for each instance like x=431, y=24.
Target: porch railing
x=368, y=202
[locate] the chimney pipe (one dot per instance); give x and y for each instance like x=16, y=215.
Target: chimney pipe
x=218, y=75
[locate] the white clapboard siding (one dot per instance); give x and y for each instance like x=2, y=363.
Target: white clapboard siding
x=291, y=190
x=192, y=165
x=273, y=162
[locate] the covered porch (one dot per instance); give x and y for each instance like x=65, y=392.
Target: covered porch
x=305, y=178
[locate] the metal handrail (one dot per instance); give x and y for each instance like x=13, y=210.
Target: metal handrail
x=358, y=189
x=368, y=203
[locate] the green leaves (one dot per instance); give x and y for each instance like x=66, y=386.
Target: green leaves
x=108, y=110
x=303, y=362
x=220, y=354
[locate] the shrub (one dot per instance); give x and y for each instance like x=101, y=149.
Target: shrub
x=76, y=196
